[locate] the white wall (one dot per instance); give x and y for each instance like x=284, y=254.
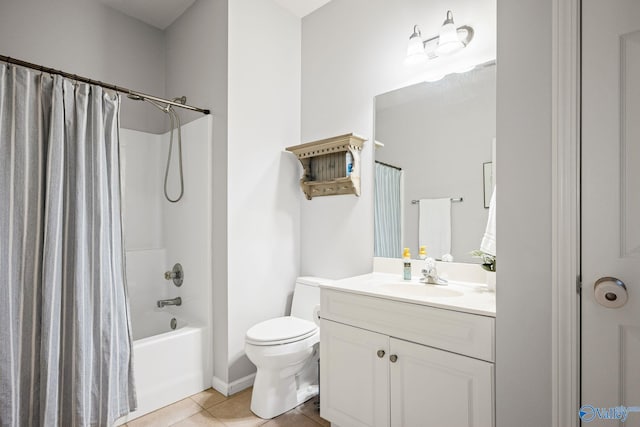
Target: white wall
x=353, y=50
x=89, y=39
x=344, y=68
x=198, y=41
x=196, y=59
x=263, y=193
x=253, y=78
x=425, y=135
x=253, y=90
x=523, y=360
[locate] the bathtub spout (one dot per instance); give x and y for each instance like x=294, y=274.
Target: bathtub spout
x=172, y=301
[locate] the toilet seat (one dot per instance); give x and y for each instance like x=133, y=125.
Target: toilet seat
x=281, y=330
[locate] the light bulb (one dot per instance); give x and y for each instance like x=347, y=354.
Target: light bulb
x=448, y=39
x=415, y=48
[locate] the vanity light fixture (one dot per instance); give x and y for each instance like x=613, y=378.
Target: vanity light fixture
x=449, y=40
x=415, y=49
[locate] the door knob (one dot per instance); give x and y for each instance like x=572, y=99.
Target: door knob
x=380, y=353
x=610, y=292
x=393, y=358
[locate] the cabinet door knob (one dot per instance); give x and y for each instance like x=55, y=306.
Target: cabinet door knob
x=380, y=353
x=393, y=358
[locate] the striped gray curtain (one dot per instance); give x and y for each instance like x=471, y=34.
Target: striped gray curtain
x=387, y=212
x=65, y=345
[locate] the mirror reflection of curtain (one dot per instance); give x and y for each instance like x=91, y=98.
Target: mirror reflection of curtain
x=388, y=211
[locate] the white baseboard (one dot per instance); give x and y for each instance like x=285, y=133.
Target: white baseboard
x=220, y=386
x=232, y=388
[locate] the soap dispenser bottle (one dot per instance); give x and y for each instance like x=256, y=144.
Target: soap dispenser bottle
x=406, y=258
x=422, y=255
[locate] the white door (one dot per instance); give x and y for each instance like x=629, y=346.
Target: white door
x=431, y=387
x=354, y=376
x=610, y=210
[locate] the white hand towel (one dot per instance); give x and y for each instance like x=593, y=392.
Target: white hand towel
x=434, y=226
x=488, y=244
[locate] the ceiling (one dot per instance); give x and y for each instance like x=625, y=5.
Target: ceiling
x=162, y=13
x=158, y=13
x=302, y=8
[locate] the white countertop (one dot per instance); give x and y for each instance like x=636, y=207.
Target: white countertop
x=458, y=296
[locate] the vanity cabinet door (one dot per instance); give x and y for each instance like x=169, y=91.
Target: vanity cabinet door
x=431, y=387
x=354, y=376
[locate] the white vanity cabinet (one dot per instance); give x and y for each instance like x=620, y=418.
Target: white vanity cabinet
x=398, y=364
x=354, y=378
x=431, y=387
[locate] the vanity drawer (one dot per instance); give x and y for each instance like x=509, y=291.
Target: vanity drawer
x=463, y=333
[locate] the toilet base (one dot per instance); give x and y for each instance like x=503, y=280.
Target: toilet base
x=273, y=395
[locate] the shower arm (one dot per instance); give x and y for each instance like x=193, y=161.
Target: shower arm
x=164, y=108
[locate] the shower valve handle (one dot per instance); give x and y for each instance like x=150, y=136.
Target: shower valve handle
x=176, y=275
x=170, y=275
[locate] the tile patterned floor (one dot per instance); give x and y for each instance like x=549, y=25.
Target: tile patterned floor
x=210, y=408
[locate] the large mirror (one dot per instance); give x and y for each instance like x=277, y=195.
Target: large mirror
x=435, y=165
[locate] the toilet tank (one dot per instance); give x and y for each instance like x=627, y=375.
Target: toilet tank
x=306, y=296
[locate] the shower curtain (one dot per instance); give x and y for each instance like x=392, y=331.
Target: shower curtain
x=387, y=212
x=65, y=345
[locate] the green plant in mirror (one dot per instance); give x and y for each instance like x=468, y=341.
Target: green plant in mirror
x=488, y=260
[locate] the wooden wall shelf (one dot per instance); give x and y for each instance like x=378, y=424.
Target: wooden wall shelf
x=326, y=165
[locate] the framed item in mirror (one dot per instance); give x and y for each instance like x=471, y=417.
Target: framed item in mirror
x=487, y=175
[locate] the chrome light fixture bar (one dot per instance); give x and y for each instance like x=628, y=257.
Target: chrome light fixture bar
x=448, y=41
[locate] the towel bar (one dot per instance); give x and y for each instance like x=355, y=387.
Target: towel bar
x=459, y=199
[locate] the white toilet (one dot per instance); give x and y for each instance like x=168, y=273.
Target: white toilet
x=285, y=351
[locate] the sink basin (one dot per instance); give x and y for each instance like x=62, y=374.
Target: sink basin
x=418, y=290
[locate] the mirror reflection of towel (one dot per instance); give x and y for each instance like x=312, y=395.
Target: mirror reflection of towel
x=434, y=226
x=488, y=244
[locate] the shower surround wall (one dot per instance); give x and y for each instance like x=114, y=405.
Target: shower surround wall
x=169, y=365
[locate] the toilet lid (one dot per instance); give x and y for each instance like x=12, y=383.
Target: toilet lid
x=280, y=330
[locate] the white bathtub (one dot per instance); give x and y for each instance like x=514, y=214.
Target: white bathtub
x=152, y=323
x=168, y=366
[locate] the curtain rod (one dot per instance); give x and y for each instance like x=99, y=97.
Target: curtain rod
x=119, y=89
x=387, y=164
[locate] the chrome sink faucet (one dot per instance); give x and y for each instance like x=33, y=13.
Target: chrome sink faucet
x=172, y=301
x=430, y=273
